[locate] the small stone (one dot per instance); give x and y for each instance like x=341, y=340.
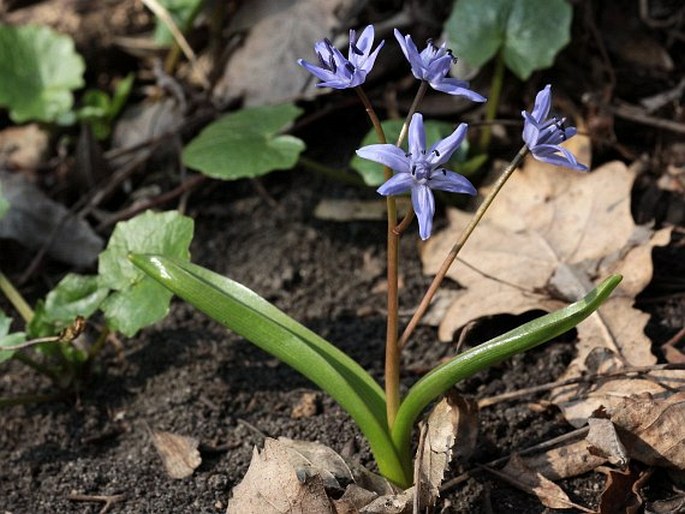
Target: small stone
x=307, y=407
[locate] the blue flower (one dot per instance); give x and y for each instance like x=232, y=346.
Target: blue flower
x=420, y=171
x=543, y=135
x=432, y=65
x=338, y=72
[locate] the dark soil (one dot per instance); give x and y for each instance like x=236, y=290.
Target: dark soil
x=190, y=376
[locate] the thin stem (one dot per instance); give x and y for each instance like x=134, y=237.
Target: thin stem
x=97, y=347
x=17, y=300
x=493, y=102
x=452, y=255
x=392, y=353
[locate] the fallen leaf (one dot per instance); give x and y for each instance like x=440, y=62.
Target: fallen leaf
x=620, y=494
x=653, y=429
x=569, y=460
x=603, y=441
x=522, y=477
x=263, y=69
x=34, y=220
x=453, y=419
x=273, y=486
x=546, y=239
x=23, y=147
x=179, y=453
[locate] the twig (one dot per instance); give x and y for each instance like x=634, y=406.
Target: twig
x=636, y=114
x=487, y=402
x=550, y=443
x=108, y=500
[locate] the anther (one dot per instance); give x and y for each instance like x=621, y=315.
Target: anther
x=356, y=49
x=413, y=170
x=437, y=154
x=331, y=64
x=408, y=154
x=350, y=67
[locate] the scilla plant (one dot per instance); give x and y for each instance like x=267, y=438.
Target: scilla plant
x=385, y=416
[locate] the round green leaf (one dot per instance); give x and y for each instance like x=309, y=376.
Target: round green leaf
x=372, y=172
x=39, y=68
x=7, y=339
x=138, y=300
x=530, y=33
x=246, y=143
x=75, y=295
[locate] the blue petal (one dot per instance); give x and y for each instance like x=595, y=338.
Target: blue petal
x=441, y=151
x=451, y=182
x=424, y=206
x=456, y=87
x=438, y=68
x=543, y=103
x=531, y=130
x=318, y=72
x=397, y=185
x=411, y=53
x=417, y=136
x=365, y=41
x=368, y=63
x=387, y=155
x=550, y=155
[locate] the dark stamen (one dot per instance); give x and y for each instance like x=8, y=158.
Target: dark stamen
x=437, y=154
x=356, y=49
x=331, y=64
x=444, y=171
x=413, y=170
x=350, y=67
x=408, y=154
x=323, y=63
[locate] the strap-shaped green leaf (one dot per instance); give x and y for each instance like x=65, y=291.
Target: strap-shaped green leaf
x=249, y=315
x=515, y=341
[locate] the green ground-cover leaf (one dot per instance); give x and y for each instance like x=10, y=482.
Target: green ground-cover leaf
x=75, y=295
x=372, y=172
x=246, y=143
x=7, y=339
x=4, y=204
x=137, y=300
x=39, y=68
x=530, y=33
x=99, y=109
x=180, y=11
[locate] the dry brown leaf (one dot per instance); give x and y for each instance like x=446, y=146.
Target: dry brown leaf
x=263, y=69
x=547, y=238
x=653, y=429
x=550, y=494
x=272, y=486
x=620, y=495
x=23, y=147
x=453, y=418
x=179, y=453
x=310, y=458
x=603, y=440
x=566, y=461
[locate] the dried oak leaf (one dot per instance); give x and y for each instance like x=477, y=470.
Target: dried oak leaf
x=621, y=494
x=546, y=239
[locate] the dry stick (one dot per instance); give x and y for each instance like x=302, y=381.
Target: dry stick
x=392, y=354
x=109, y=500
x=452, y=255
x=545, y=445
x=640, y=370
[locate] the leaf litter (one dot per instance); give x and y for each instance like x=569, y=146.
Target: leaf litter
x=543, y=244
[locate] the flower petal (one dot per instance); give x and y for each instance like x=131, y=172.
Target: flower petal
x=368, y=63
x=438, y=68
x=318, y=72
x=451, y=182
x=550, y=155
x=365, y=41
x=531, y=130
x=543, y=103
x=417, y=136
x=387, y=155
x=441, y=151
x=424, y=207
x=397, y=184
x=456, y=87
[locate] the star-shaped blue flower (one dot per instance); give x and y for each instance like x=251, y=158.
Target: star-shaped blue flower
x=543, y=134
x=338, y=72
x=433, y=64
x=421, y=170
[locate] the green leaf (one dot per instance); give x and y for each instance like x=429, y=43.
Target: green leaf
x=530, y=33
x=180, y=11
x=138, y=300
x=518, y=340
x=99, y=110
x=39, y=68
x=243, y=311
x=7, y=339
x=372, y=172
x=246, y=143
x=4, y=204
x=75, y=295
